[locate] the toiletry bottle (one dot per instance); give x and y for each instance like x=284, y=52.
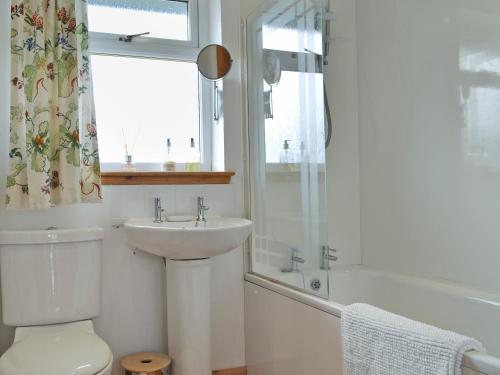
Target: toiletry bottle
x=193, y=162
x=286, y=155
x=302, y=156
x=169, y=164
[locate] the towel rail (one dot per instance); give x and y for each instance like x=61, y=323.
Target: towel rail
x=483, y=363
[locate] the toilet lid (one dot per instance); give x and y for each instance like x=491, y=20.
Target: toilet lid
x=56, y=350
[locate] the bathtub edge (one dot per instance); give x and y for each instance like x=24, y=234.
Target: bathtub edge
x=326, y=306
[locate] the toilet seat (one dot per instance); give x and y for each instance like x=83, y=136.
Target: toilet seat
x=62, y=349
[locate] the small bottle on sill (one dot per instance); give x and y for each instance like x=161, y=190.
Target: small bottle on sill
x=286, y=154
x=193, y=163
x=169, y=164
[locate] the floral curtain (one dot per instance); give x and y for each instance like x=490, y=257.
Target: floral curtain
x=54, y=157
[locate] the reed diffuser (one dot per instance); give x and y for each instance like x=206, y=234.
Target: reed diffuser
x=129, y=163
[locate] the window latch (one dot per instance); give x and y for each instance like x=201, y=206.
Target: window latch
x=129, y=38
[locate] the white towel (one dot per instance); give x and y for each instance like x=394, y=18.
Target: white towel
x=377, y=342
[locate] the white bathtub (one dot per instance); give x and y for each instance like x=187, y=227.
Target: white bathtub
x=469, y=311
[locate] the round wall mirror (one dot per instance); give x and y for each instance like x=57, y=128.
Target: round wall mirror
x=214, y=62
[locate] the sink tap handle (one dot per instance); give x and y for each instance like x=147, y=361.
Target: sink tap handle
x=158, y=210
x=294, y=253
x=201, y=210
x=201, y=203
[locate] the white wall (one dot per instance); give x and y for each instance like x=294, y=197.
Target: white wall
x=430, y=137
x=133, y=316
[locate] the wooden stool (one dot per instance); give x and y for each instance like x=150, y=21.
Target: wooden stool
x=146, y=363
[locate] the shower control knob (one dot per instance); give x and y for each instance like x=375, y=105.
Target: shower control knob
x=327, y=257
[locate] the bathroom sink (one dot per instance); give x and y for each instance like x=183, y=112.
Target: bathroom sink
x=187, y=248
x=188, y=240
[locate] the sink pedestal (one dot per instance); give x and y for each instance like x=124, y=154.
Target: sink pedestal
x=188, y=316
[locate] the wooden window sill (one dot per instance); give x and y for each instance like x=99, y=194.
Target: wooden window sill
x=165, y=178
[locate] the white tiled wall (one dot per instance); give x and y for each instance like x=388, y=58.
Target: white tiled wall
x=430, y=138
x=176, y=200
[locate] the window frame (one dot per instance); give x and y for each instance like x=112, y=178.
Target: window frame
x=152, y=47
x=165, y=49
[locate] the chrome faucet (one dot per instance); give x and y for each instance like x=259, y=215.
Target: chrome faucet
x=294, y=261
x=326, y=257
x=158, y=211
x=201, y=210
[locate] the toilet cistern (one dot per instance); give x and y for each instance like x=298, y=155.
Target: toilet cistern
x=51, y=291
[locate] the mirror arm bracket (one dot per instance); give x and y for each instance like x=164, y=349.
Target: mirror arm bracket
x=216, y=102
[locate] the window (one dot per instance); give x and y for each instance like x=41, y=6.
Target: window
x=297, y=117
x=145, y=122
x=162, y=19
x=148, y=90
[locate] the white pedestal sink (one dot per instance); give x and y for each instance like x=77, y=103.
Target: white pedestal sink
x=188, y=247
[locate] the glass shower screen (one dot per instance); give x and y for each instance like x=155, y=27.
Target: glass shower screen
x=287, y=143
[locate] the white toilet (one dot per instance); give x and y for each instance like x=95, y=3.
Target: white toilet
x=51, y=288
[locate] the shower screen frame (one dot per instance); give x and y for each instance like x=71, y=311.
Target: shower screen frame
x=288, y=199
